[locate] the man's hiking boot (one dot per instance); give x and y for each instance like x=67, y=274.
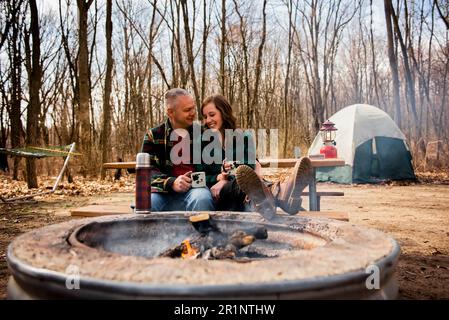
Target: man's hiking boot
x=258, y=193
x=288, y=192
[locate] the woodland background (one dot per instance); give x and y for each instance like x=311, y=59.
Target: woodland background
x=95, y=72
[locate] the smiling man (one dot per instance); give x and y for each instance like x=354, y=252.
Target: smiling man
x=171, y=183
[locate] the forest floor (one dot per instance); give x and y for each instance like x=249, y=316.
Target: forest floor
x=416, y=215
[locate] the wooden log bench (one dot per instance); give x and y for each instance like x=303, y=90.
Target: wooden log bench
x=96, y=210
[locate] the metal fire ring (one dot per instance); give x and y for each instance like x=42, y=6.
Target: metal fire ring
x=39, y=259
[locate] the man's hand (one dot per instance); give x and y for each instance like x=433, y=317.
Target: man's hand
x=216, y=188
x=223, y=176
x=182, y=183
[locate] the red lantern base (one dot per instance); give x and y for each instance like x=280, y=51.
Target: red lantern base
x=329, y=152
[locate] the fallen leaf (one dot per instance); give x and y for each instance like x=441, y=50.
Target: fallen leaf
x=435, y=252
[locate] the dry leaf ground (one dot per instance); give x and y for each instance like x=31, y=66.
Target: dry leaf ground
x=416, y=215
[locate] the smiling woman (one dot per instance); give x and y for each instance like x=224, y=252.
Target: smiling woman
x=217, y=113
x=234, y=147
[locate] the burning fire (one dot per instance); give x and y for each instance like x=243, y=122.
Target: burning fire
x=188, y=251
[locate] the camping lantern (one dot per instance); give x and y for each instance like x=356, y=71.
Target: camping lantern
x=328, y=133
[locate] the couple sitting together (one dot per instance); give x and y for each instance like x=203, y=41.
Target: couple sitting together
x=242, y=189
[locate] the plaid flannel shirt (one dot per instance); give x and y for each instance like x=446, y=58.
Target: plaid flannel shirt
x=157, y=144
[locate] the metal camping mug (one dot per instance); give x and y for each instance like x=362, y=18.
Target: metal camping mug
x=198, y=179
x=143, y=189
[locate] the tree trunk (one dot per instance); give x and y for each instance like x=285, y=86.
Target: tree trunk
x=373, y=56
x=393, y=63
x=84, y=84
x=443, y=17
x=408, y=74
x=3, y=131
x=223, y=48
x=35, y=81
x=287, y=75
x=190, y=57
x=254, y=103
x=204, y=51
x=177, y=37
x=15, y=56
x=106, y=130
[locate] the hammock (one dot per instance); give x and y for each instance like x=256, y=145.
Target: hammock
x=36, y=152
x=40, y=152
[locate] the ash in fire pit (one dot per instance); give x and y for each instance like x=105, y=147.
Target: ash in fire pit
x=212, y=243
x=197, y=236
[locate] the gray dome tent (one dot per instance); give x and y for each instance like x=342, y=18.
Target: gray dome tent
x=371, y=144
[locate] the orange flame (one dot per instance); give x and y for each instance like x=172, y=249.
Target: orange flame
x=188, y=251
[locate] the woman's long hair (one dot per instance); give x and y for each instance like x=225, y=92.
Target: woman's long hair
x=222, y=105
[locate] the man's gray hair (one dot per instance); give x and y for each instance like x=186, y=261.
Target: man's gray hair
x=171, y=96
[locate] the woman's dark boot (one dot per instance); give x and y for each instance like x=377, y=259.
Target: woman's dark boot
x=258, y=193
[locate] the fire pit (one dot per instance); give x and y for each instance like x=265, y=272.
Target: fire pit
x=126, y=257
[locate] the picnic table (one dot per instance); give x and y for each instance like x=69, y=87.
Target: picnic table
x=273, y=163
x=314, y=203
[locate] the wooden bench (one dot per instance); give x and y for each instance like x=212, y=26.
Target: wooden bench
x=314, y=196
x=265, y=163
x=96, y=210
x=119, y=165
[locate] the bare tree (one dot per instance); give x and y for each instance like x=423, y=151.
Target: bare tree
x=206, y=32
x=444, y=17
x=15, y=90
x=35, y=82
x=12, y=12
x=393, y=62
x=223, y=40
x=291, y=23
x=83, y=113
x=189, y=38
x=373, y=55
x=254, y=101
x=322, y=24
x=106, y=129
x=408, y=74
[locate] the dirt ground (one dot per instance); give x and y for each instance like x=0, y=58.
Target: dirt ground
x=417, y=216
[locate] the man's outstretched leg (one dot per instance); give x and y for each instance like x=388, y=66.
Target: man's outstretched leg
x=199, y=199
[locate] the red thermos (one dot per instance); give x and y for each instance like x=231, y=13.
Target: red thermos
x=143, y=188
